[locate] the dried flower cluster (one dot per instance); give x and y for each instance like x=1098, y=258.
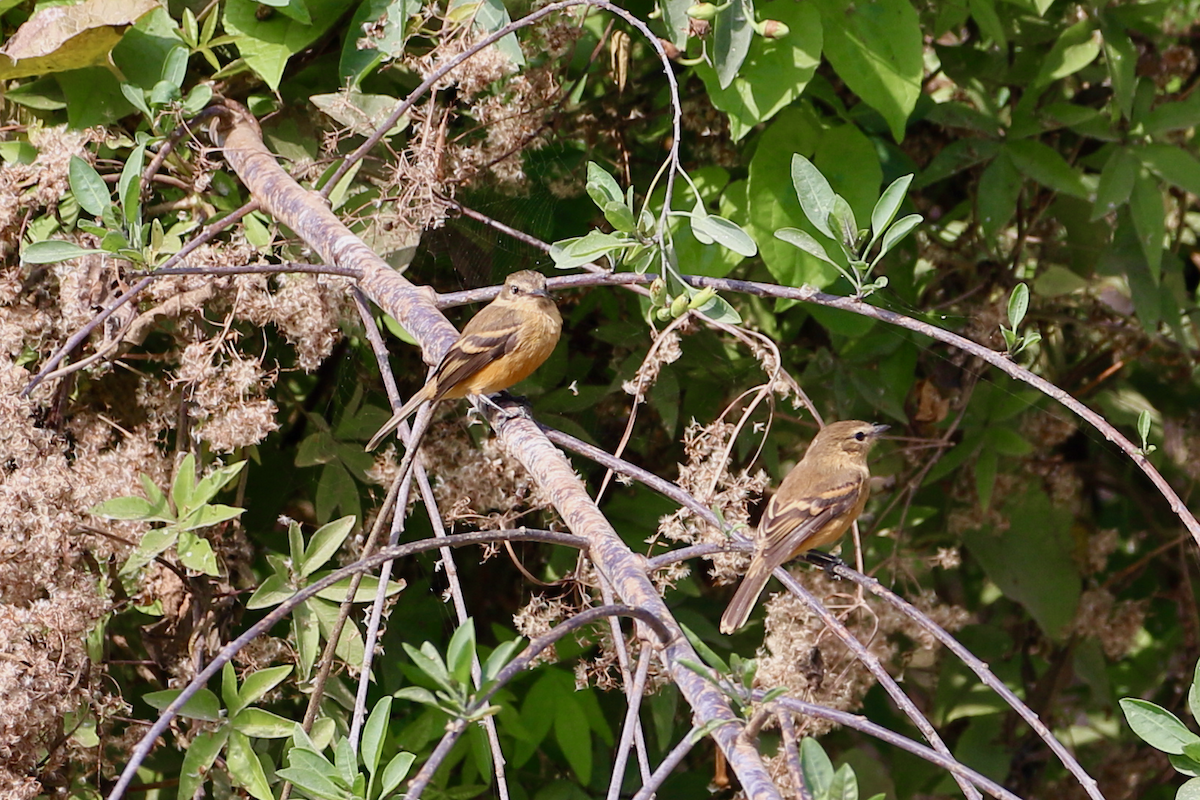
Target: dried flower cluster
x=705, y=467
x=807, y=658
x=478, y=482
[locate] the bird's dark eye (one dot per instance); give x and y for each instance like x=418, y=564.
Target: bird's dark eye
x=515, y=290
x=860, y=436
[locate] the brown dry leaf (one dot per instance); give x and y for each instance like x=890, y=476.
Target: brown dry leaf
x=69, y=37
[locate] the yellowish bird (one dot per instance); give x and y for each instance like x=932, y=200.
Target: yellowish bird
x=817, y=501
x=502, y=345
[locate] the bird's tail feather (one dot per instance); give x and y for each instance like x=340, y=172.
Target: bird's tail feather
x=746, y=596
x=398, y=418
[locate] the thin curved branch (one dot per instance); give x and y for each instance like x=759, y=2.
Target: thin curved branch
x=1000, y=360
x=456, y=727
x=280, y=612
x=83, y=333
x=863, y=724
x=668, y=765
x=685, y=499
x=981, y=669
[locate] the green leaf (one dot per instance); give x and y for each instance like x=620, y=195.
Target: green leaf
x=954, y=158
x=267, y=45
x=259, y=682
x=816, y=767
x=203, y=705
x=775, y=71
x=306, y=629
x=732, y=35
x=1018, y=304
x=460, y=654
x=1078, y=46
x=804, y=241
x=88, y=187
x=1150, y=221
x=1189, y=791
x=132, y=508
x=1043, y=164
x=198, y=757
x=996, y=198
x=499, y=657
x=602, y=187
x=129, y=185
x=1032, y=561
x=196, y=554
x=573, y=738
x=844, y=785
x=771, y=199
x=844, y=224
x=259, y=724
x=1173, y=164
x=1184, y=765
x=815, y=194
x=313, y=783
x=429, y=661
x=984, y=12
x=1007, y=442
x=1143, y=426
x=244, y=767
x=374, y=733
x=1116, y=182
x=346, y=762
x=571, y=253
x=889, y=203
x=336, y=491
x=395, y=772
x=273, y=591
x=324, y=543
x=677, y=22
x=312, y=772
x=52, y=251
x=620, y=217
x=367, y=589
x=727, y=234
x=416, y=694
x=985, y=477
x=1121, y=57
x=209, y=515
x=705, y=652
x=877, y=48
x=389, y=43
x=718, y=310
x=489, y=16
x=1169, y=117
x=902, y=228
x=184, y=484
x=350, y=644
x=1156, y=726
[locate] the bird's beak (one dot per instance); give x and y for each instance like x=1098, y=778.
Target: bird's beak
x=879, y=429
x=540, y=293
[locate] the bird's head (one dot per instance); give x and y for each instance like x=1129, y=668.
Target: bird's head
x=524, y=284
x=852, y=437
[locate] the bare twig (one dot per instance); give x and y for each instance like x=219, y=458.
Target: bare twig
x=455, y=728
x=279, y=613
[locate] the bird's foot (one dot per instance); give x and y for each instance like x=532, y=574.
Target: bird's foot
x=508, y=406
x=826, y=561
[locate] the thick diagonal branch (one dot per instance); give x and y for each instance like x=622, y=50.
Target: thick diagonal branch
x=306, y=214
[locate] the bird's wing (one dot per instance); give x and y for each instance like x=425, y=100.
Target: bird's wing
x=787, y=525
x=472, y=352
